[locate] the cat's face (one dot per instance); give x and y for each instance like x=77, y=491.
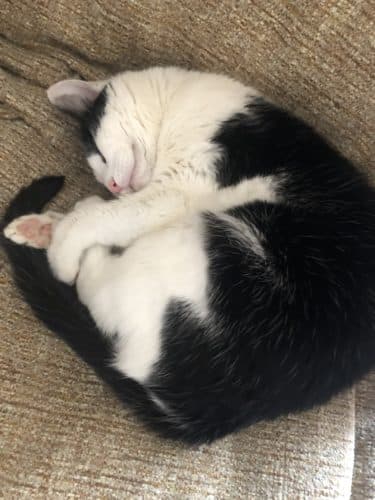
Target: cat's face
x=115, y=151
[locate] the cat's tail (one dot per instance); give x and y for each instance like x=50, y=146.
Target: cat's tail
x=57, y=306
x=53, y=302
x=33, y=198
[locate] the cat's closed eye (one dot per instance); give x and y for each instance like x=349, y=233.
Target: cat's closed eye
x=97, y=150
x=102, y=157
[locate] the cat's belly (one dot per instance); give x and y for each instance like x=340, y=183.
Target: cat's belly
x=128, y=294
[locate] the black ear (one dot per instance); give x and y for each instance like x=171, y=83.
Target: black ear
x=74, y=95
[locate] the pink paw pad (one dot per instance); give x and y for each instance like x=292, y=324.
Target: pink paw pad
x=35, y=232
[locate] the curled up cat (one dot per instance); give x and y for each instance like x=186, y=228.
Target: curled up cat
x=230, y=280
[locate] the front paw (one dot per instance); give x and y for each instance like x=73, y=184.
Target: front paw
x=66, y=249
x=89, y=202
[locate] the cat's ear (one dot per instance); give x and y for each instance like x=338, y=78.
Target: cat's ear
x=74, y=96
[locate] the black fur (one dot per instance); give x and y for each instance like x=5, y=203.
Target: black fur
x=90, y=121
x=57, y=306
x=288, y=329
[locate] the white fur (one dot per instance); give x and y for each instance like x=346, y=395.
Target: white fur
x=155, y=136
x=247, y=236
x=122, y=221
x=128, y=294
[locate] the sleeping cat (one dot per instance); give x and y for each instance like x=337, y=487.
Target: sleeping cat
x=232, y=278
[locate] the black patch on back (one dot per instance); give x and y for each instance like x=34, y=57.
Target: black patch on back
x=90, y=122
x=266, y=140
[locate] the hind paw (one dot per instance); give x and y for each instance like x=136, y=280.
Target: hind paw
x=33, y=230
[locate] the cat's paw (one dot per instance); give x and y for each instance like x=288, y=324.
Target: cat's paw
x=69, y=241
x=33, y=230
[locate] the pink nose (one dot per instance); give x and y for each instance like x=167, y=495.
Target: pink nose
x=114, y=187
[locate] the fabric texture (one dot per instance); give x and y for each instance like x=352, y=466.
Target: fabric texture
x=62, y=432
x=364, y=464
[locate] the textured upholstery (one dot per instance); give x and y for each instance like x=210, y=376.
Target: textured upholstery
x=62, y=433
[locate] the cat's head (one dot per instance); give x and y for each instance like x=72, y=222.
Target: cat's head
x=113, y=140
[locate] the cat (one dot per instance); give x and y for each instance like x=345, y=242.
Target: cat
x=230, y=280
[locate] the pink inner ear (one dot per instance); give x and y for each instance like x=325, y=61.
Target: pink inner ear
x=74, y=95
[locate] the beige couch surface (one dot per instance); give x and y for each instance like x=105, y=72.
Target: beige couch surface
x=62, y=433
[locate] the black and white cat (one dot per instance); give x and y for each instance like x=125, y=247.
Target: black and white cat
x=233, y=277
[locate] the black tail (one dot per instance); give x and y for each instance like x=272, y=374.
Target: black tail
x=58, y=307
x=33, y=198
x=55, y=303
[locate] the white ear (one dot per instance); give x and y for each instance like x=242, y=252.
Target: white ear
x=74, y=95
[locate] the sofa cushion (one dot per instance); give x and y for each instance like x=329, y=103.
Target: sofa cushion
x=62, y=433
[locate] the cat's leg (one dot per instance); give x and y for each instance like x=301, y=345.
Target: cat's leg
x=120, y=222
x=128, y=294
x=96, y=273
x=94, y=267
x=119, y=292
x=33, y=230
x=90, y=201
x=116, y=223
